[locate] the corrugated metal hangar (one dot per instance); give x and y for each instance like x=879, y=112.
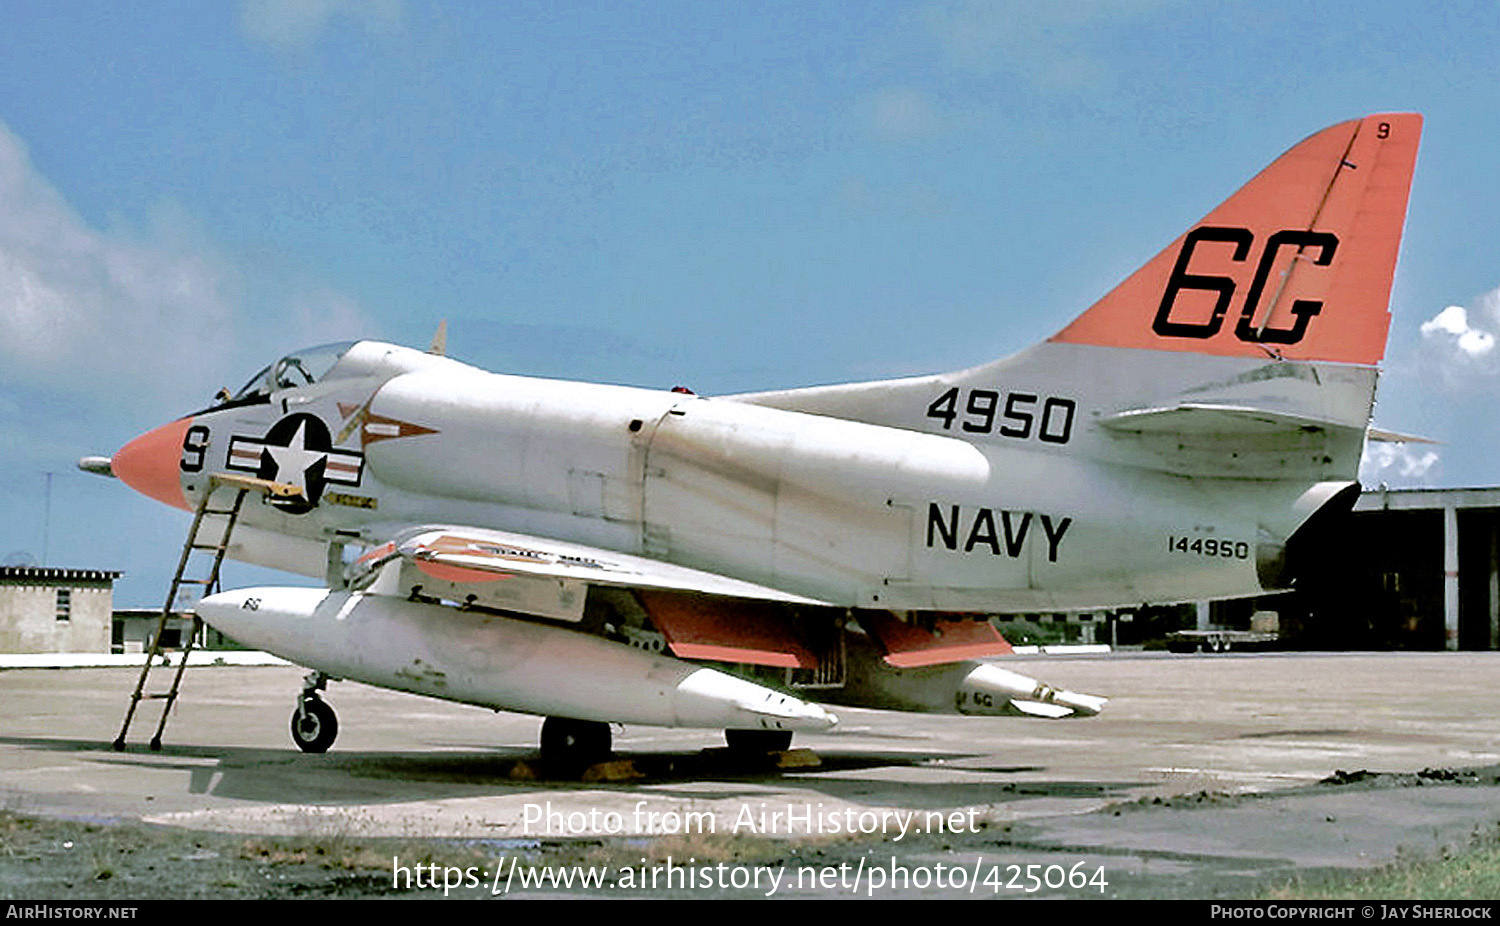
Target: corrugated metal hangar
x=1416, y=569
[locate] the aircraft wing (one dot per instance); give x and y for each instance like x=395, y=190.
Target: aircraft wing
x=478, y=555
x=701, y=615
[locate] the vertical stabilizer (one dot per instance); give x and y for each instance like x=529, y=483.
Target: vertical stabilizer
x=1269, y=316
x=1296, y=265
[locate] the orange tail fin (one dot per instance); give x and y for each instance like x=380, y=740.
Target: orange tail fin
x=1297, y=264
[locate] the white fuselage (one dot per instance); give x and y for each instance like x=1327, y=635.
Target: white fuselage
x=917, y=509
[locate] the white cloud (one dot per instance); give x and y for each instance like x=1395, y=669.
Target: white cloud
x=1454, y=321
x=77, y=304
x=290, y=24
x=1397, y=464
x=1457, y=350
x=128, y=314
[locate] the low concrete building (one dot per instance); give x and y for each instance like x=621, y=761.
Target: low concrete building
x=46, y=610
x=134, y=629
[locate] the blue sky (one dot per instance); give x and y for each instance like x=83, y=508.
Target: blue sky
x=731, y=196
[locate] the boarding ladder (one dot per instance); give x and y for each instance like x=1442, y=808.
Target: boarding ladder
x=205, y=519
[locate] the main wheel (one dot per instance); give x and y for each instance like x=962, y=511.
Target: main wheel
x=758, y=742
x=314, y=726
x=574, y=744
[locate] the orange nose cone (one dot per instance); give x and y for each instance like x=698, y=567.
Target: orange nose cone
x=149, y=464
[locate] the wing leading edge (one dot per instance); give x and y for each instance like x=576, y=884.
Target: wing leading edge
x=701, y=615
x=479, y=555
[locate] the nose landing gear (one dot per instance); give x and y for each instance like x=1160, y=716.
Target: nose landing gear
x=314, y=725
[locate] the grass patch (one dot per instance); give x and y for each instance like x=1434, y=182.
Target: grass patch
x=345, y=853
x=1470, y=873
x=694, y=848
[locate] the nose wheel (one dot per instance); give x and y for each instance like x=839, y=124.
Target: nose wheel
x=314, y=725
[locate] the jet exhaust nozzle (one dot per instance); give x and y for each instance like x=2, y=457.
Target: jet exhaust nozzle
x=1327, y=507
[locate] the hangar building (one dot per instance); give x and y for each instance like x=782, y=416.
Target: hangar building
x=1416, y=569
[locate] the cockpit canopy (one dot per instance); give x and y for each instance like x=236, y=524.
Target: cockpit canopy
x=299, y=368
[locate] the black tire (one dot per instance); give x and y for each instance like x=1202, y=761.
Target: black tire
x=758, y=742
x=574, y=745
x=314, y=726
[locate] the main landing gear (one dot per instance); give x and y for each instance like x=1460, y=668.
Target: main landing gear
x=314, y=725
x=757, y=742
x=574, y=744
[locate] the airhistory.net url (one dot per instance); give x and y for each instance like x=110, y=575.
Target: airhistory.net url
x=511, y=874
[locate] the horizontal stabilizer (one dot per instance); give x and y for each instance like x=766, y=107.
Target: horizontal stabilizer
x=1202, y=418
x=1381, y=435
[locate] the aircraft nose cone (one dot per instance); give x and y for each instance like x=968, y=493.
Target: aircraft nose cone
x=149, y=464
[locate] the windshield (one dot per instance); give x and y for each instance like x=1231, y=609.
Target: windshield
x=299, y=368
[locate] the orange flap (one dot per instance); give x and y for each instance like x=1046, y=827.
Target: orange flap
x=727, y=630
x=907, y=645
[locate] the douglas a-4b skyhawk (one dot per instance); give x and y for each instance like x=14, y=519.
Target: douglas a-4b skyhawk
x=585, y=552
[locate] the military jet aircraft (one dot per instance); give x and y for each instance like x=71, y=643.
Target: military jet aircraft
x=583, y=551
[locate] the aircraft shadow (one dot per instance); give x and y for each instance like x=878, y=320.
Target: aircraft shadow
x=352, y=777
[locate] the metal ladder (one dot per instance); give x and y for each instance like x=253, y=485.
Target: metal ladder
x=241, y=486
